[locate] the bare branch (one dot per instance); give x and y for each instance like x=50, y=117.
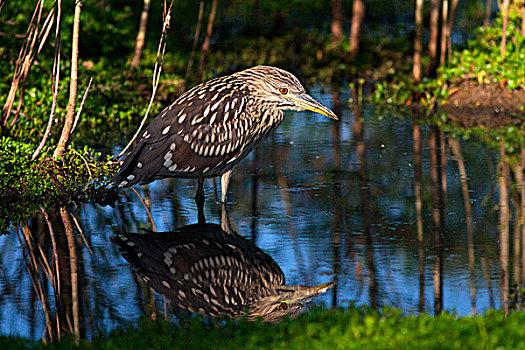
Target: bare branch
x=148, y=212
x=23, y=62
x=81, y=232
x=156, y=76
x=81, y=105
x=55, y=80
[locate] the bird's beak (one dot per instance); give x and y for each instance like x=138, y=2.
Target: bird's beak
x=308, y=293
x=306, y=102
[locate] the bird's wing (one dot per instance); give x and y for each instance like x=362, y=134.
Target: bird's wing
x=198, y=266
x=203, y=127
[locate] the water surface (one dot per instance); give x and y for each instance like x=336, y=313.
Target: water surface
x=324, y=199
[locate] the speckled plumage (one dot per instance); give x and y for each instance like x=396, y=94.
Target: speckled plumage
x=202, y=268
x=211, y=127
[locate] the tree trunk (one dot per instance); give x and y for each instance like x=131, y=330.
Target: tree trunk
x=72, y=245
x=195, y=42
x=418, y=46
x=505, y=9
x=451, y=17
x=337, y=21
x=418, y=182
x=522, y=192
x=438, y=224
x=444, y=32
x=434, y=36
x=206, y=44
x=358, y=14
x=469, y=220
x=366, y=201
x=504, y=217
x=68, y=123
x=488, y=12
x=523, y=19
x=141, y=36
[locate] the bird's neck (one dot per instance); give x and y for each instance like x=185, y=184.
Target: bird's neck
x=271, y=116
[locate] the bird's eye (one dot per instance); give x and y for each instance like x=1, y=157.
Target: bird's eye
x=283, y=91
x=283, y=306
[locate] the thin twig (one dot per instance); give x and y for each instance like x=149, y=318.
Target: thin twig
x=47, y=266
x=55, y=255
x=53, y=108
x=56, y=276
x=77, y=224
x=24, y=57
x=42, y=38
x=36, y=281
x=46, y=28
x=87, y=166
x=80, y=108
x=55, y=79
x=156, y=76
x=147, y=209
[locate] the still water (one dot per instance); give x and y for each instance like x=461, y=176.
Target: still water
x=325, y=200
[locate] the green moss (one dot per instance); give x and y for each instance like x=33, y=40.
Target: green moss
x=26, y=185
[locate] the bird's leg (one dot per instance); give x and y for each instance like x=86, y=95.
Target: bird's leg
x=200, y=188
x=225, y=181
x=225, y=219
x=199, y=200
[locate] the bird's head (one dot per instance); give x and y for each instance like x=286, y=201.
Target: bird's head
x=286, y=301
x=283, y=90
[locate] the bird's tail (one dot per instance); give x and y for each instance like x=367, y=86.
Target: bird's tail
x=124, y=177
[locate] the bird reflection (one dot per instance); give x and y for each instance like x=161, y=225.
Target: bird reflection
x=202, y=268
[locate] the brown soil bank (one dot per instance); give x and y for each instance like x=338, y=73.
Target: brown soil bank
x=490, y=105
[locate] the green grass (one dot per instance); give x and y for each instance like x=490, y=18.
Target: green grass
x=319, y=329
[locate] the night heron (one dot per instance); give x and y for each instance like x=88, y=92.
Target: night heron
x=201, y=268
x=214, y=125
